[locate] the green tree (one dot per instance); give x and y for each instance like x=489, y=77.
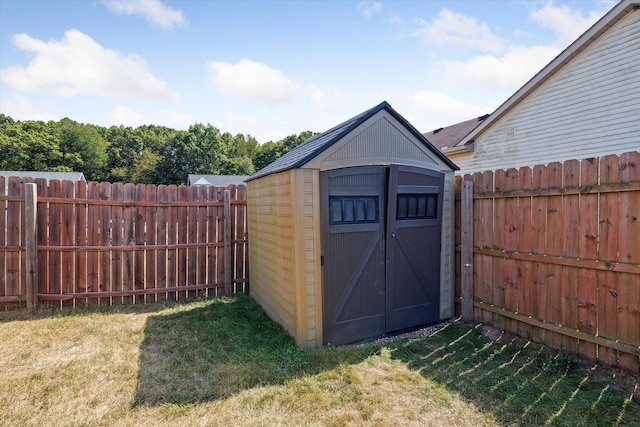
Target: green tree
x=84, y=149
x=267, y=153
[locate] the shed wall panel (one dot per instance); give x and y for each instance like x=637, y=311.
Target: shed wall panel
x=381, y=141
x=587, y=109
x=284, y=251
x=271, y=247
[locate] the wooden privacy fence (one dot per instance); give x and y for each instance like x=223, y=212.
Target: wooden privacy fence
x=101, y=243
x=556, y=255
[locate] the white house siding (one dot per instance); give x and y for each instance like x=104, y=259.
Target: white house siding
x=590, y=107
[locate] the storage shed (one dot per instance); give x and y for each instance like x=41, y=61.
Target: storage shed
x=352, y=232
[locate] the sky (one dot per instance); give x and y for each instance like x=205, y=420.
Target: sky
x=270, y=69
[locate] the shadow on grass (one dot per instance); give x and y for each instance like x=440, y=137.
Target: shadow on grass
x=212, y=349
x=519, y=382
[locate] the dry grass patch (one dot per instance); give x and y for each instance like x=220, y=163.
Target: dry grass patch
x=223, y=362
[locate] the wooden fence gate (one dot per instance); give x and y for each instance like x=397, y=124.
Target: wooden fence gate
x=102, y=243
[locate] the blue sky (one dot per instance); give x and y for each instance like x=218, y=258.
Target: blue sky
x=271, y=69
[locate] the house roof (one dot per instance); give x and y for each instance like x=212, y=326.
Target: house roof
x=607, y=21
x=217, y=180
x=315, y=145
x=449, y=136
x=62, y=176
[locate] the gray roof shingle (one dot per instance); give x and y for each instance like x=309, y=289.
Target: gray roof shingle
x=449, y=136
x=217, y=180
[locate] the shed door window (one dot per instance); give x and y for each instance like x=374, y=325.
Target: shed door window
x=417, y=206
x=353, y=210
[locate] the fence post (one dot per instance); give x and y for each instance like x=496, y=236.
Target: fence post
x=228, y=261
x=31, y=245
x=466, y=210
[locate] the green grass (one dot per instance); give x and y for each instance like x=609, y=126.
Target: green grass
x=522, y=383
x=223, y=362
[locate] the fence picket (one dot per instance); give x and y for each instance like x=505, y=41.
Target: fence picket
x=192, y=237
x=172, y=240
x=117, y=211
x=4, y=291
x=161, y=238
x=149, y=229
x=55, y=239
x=202, y=195
x=106, y=280
x=128, y=256
x=486, y=184
x=212, y=232
x=510, y=228
x=181, y=233
x=240, y=247
x=220, y=261
x=67, y=231
x=525, y=243
x=81, y=241
x=94, y=270
x=629, y=317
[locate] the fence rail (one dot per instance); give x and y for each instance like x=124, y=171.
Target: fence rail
x=100, y=243
x=556, y=255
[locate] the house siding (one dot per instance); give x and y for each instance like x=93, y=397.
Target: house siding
x=588, y=108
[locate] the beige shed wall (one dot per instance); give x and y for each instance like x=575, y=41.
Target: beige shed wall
x=284, y=254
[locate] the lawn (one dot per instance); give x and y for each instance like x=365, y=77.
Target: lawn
x=223, y=362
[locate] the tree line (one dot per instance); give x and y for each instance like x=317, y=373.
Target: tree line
x=147, y=154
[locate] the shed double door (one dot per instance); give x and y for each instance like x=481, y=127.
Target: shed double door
x=381, y=250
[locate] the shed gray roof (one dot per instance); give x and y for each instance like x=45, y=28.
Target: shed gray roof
x=62, y=176
x=448, y=136
x=217, y=180
x=315, y=145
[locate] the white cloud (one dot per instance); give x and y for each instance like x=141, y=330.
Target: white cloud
x=19, y=107
x=503, y=73
x=153, y=11
x=79, y=65
x=253, y=80
x=330, y=98
x=126, y=116
x=432, y=109
x=455, y=29
x=369, y=7
x=568, y=23
x=495, y=73
x=263, y=131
